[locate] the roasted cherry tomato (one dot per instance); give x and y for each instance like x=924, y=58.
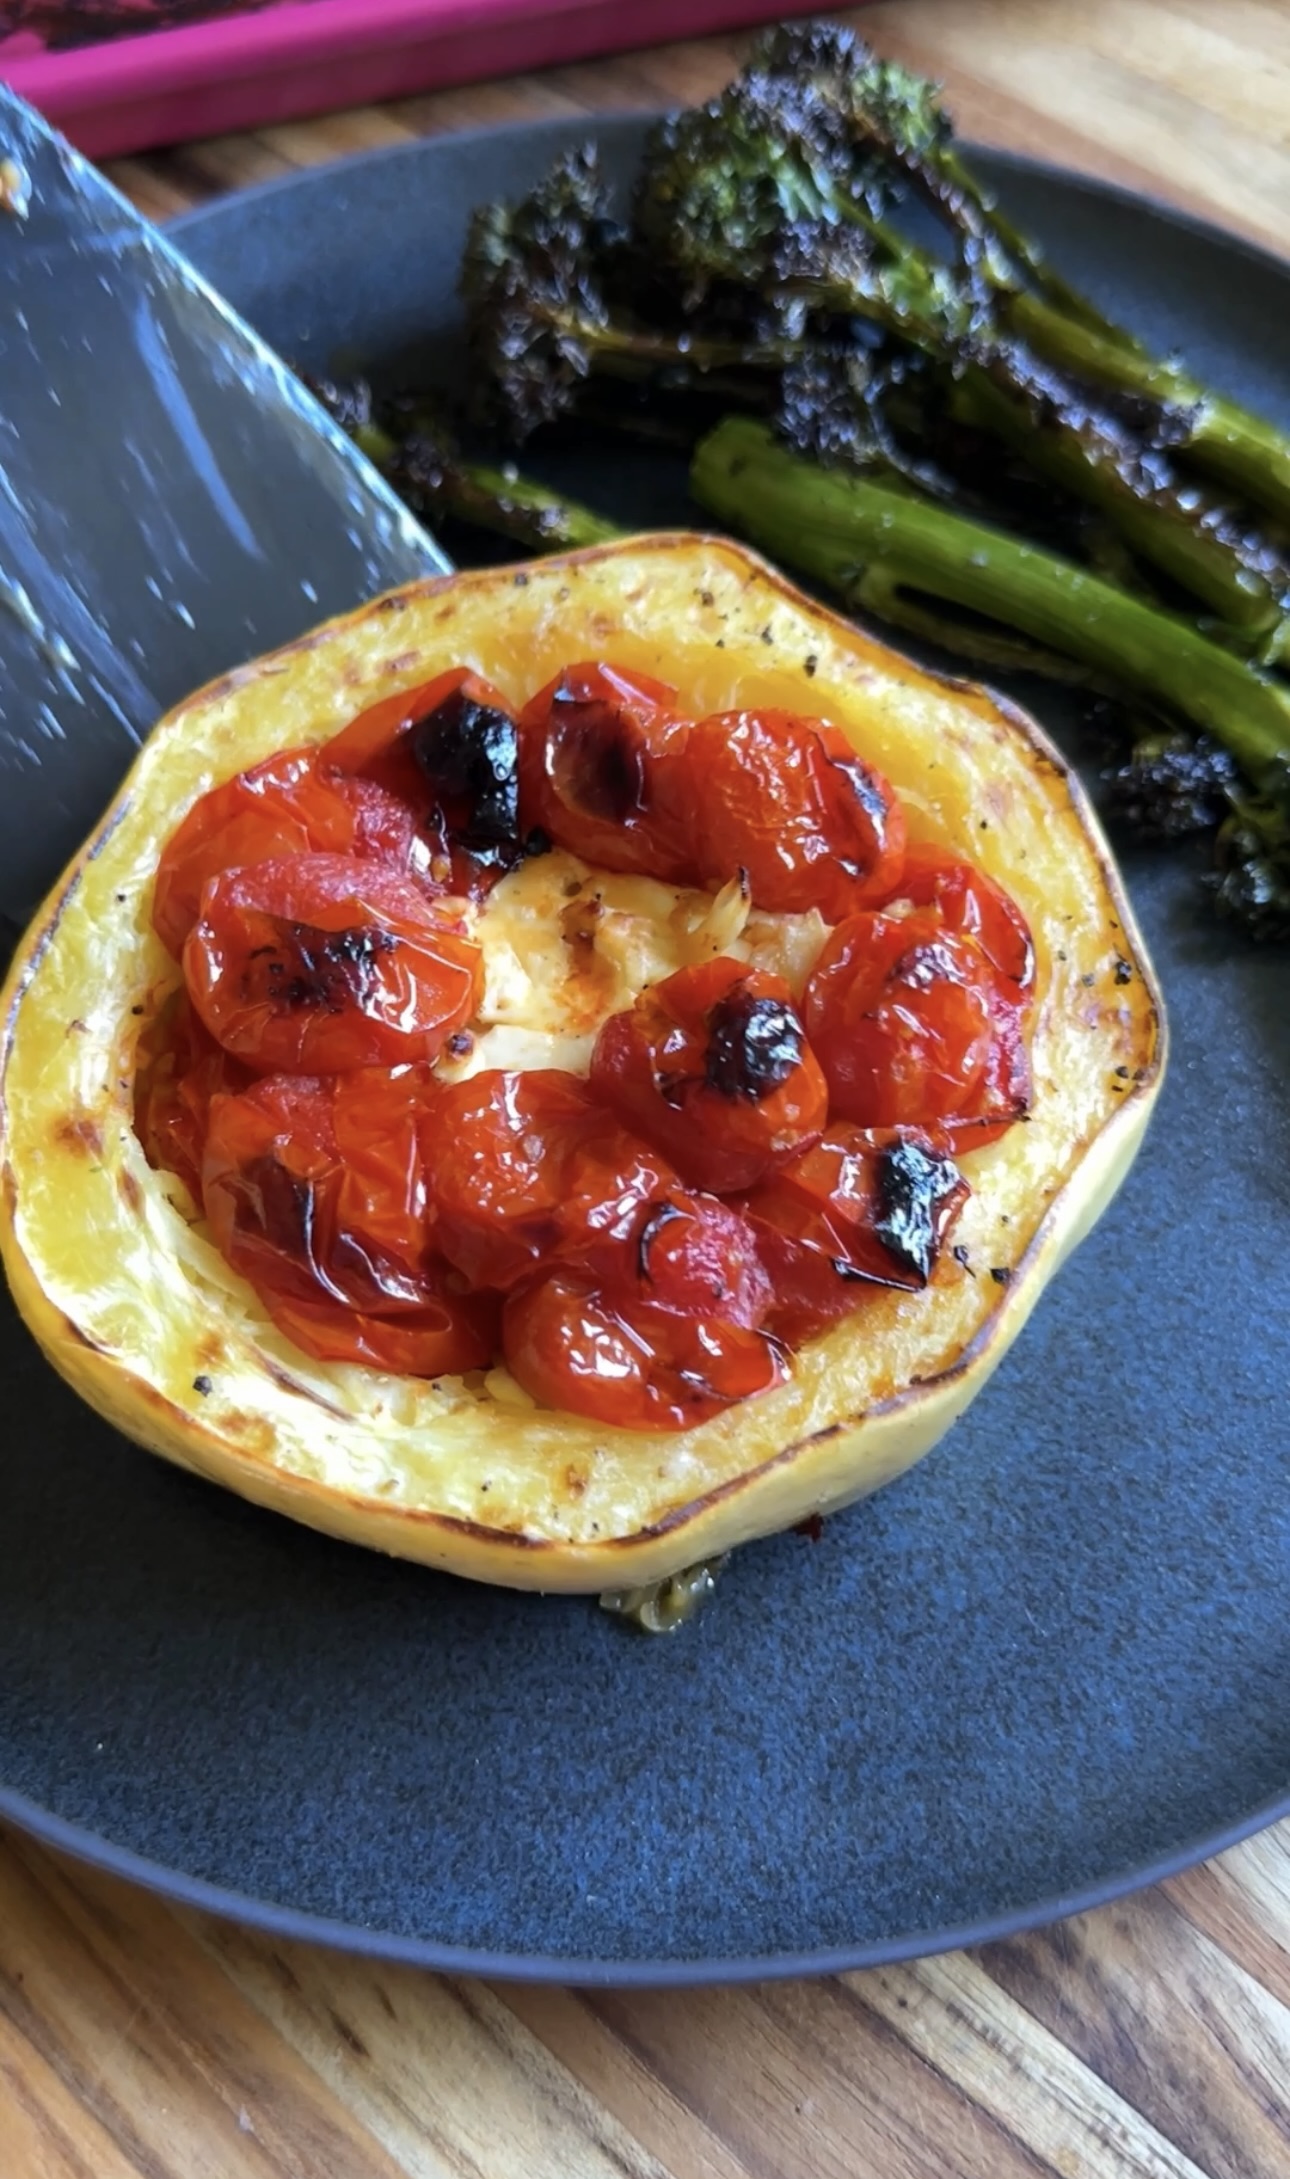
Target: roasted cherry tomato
x=531, y=1168
x=713, y=1065
x=603, y=771
x=570, y=1349
x=314, y=1192
x=326, y=963
x=453, y=1334
x=692, y=1256
x=448, y=750
x=178, y=1069
x=911, y=1029
x=856, y=1210
x=790, y=801
x=969, y=901
x=294, y=804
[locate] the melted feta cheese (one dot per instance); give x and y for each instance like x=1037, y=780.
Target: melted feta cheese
x=566, y=946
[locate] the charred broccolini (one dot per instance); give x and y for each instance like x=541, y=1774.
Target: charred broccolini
x=539, y=316
x=759, y=193
x=416, y=448
x=892, y=127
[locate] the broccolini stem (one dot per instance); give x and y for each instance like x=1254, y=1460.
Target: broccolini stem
x=959, y=185
x=1219, y=437
x=1003, y=389
x=835, y=525
x=880, y=590
x=441, y=484
x=627, y=352
x=514, y=506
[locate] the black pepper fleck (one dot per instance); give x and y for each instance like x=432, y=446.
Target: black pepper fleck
x=1123, y=970
x=1001, y=1275
x=809, y=665
x=520, y=581
x=203, y=1385
x=1088, y=979
x=960, y=1255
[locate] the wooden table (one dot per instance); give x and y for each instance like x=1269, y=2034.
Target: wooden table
x=1150, y=2040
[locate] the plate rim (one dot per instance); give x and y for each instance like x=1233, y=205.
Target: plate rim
x=559, y=127
x=91, y=1849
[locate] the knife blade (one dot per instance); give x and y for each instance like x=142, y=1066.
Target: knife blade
x=172, y=500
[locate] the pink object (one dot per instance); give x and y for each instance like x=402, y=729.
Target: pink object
x=250, y=71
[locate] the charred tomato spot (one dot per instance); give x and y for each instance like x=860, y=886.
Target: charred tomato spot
x=869, y=798
x=596, y=761
x=469, y=755
x=753, y=1044
x=919, y=1191
x=660, y=1215
x=309, y=969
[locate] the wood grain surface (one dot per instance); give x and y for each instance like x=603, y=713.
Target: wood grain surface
x=1150, y=2040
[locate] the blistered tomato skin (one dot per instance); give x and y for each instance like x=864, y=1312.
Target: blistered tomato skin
x=604, y=772
x=569, y=1348
x=712, y=1065
x=969, y=901
x=323, y=964
x=789, y=801
x=179, y=1068
x=293, y=804
x=857, y=1209
x=912, y=1030
x=383, y=743
x=692, y=1256
x=313, y=1191
x=449, y=750
x=526, y=1169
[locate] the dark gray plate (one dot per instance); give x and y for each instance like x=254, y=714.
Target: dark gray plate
x=1050, y=1663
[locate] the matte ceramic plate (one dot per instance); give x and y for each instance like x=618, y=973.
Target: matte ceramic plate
x=1050, y=1662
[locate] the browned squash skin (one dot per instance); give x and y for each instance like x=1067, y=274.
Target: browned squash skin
x=119, y=1283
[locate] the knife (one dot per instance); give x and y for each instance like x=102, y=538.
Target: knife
x=172, y=500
